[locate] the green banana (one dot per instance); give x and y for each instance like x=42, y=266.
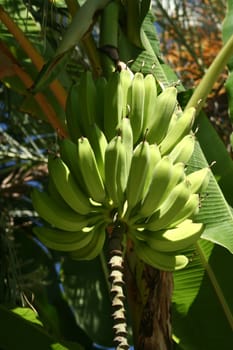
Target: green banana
x=65, y=241
x=126, y=77
x=100, y=84
x=150, y=100
x=69, y=155
x=122, y=174
x=98, y=143
x=88, y=100
x=171, y=206
x=115, y=170
x=67, y=186
x=57, y=215
x=199, y=180
x=54, y=194
x=73, y=112
x=137, y=175
x=178, y=173
x=94, y=248
x=125, y=130
x=158, y=260
x=183, y=151
x=136, y=96
x=158, y=123
x=155, y=157
x=89, y=169
x=190, y=209
x=113, y=105
x=157, y=190
x=173, y=121
x=181, y=128
x=171, y=240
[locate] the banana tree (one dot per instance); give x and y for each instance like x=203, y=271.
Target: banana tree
x=62, y=80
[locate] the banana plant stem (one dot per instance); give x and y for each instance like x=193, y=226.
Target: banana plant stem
x=117, y=284
x=202, y=91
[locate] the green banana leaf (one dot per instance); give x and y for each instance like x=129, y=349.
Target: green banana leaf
x=215, y=151
x=202, y=300
x=202, y=303
x=215, y=212
x=38, y=271
x=20, y=328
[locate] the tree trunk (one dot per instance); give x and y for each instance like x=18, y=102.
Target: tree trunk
x=149, y=293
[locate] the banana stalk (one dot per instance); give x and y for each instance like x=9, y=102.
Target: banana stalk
x=117, y=284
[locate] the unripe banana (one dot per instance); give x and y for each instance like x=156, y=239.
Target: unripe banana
x=136, y=96
x=137, y=175
x=174, y=239
x=65, y=241
x=199, y=180
x=173, y=121
x=98, y=143
x=74, y=112
x=183, y=151
x=100, y=84
x=190, y=209
x=126, y=77
x=157, y=190
x=115, y=170
x=178, y=173
x=158, y=260
x=155, y=157
x=67, y=186
x=150, y=100
x=122, y=174
x=125, y=130
x=88, y=99
x=113, y=105
x=57, y=215
x=95, y=246
x=180, y=129
x=169, y=209
x=90, y=172
x=158, y=123
x=69, y=155
x=54, y=194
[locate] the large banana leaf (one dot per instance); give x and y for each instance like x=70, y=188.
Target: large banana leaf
x=20, y=328
x=202, y=303
x=202, y=300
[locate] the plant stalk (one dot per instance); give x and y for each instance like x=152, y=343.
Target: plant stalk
x=203, y=89
x=117, y=284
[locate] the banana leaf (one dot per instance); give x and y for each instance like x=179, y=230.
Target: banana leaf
x=21, y=328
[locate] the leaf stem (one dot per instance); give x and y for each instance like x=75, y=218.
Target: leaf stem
x=201, y=92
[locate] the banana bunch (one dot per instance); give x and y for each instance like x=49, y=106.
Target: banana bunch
x=126, y=160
